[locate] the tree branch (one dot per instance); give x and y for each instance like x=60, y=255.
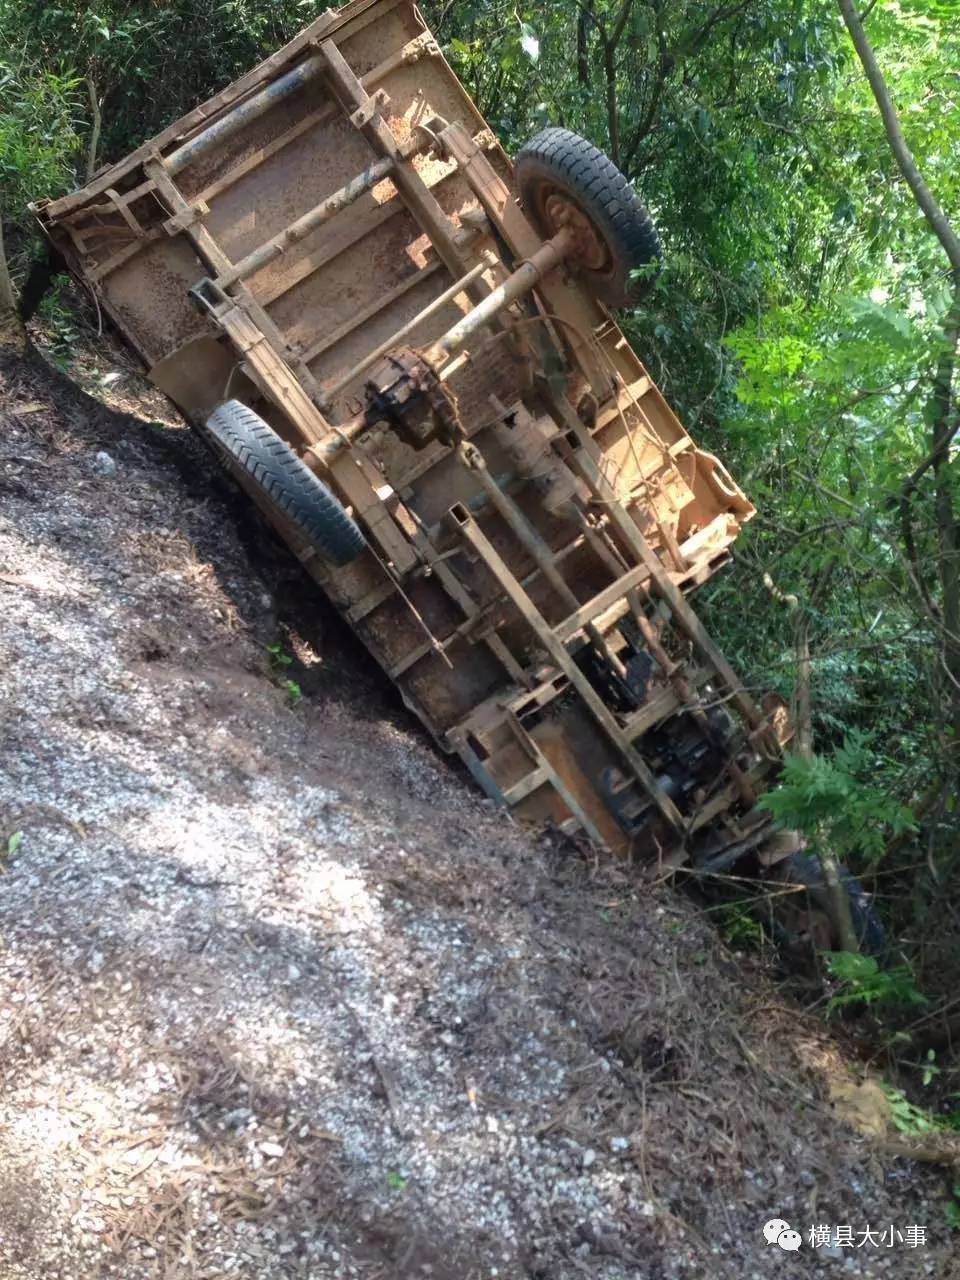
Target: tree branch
x=613, y=109
x=948, y=524
x=95, y=129
x=696, y=43
x=933, y=458
x=583, y=59
x=868, y=10
x=916, y=569
x=610, y=43
x=9, y=320
x=898, y=144
x=664, y=65
x=620, y=25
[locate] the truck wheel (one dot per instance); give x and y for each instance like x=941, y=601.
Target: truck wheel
x=564, y=180
x=287, y=483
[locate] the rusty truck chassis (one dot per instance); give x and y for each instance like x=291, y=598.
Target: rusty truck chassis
x=560, y=571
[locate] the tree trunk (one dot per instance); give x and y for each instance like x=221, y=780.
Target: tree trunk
x=583, y=47
x=11, y=329
x=839, y=902
x=613, y=107
x=94, y=144
x=948, y=527
x=611, y=42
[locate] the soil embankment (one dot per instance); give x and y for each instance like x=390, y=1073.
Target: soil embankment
x=280, y=995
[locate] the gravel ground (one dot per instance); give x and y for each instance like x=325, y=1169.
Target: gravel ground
x=281, y=996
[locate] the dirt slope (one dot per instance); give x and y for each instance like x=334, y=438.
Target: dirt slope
x=280, y=995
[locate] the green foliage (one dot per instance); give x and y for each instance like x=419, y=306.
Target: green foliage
x=14, y=842
x=279, y=660
x=906, y=1116
x=739, y=928
x=395, y=1181
x=829, y=798
x=60, y=323
x=864, y=982
x=930, y=1069
x=278, y=657
x=40, y=114
x=149, y=63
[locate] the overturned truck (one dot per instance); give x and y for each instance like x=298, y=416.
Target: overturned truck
x=401, y=345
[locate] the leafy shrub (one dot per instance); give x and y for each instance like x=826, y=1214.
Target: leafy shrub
x=830, y=799
x=40, y=115
x=864, y=982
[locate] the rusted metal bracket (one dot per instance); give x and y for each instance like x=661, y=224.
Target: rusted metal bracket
x=186, y=218
x=271, y=373
x=411, y=52
x=333, y=389
x=375, y=105
x=122, y=206
x=544, y=772
x=545, y=559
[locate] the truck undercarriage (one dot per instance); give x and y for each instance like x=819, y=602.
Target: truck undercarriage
x=401, y=346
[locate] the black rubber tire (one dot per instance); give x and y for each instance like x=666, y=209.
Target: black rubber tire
x=805, y=869
x=287, y=483
x=566, y=162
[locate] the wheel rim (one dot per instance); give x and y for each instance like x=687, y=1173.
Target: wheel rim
x=557, y=210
